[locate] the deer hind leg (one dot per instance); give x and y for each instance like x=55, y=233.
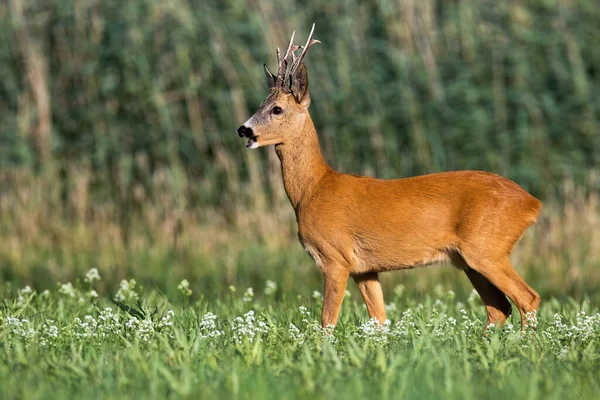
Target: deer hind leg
x=370, y=288
x=334, y=287
x=500, y=273
x=496, y=304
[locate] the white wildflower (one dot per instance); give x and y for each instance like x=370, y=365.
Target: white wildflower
x=467, y=324
x=312, y=329
x=247, y=327
x=92, y=275
x=406, y=327
x=296, y=335
x=24, y=295
x=142, y=330
x=166, y=322
x=27, y=290
x=184, y=288
x=126, y=291
x=48, y=334
x=208, y=327
x=374, y=332
x=20, y=327
x=107, y=325
x=67, y=289
x=444, y=327
x=532, y=322
x=248, y=295
x=270, y=288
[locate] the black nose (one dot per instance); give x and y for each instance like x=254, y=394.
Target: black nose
x=243, y=131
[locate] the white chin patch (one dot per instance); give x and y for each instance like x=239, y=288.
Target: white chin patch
x=252, y=143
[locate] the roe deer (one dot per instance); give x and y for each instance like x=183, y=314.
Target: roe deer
x=360, y=226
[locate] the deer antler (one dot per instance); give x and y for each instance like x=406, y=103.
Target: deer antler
x=298, y=60
x=282, y=62
x=283, y=75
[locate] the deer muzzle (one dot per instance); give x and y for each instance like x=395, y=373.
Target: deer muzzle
x=247, y=132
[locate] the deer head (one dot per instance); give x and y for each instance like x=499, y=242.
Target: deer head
x=281, y=115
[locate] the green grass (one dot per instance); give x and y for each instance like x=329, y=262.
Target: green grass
x=268, y=344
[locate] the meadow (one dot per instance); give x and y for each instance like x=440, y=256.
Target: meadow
x=72, y=343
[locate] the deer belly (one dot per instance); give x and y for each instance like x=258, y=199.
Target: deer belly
x=394, y=255
x=362, y=253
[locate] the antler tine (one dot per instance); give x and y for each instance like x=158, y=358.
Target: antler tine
x=279, y=65
x=291, y=48
x=282, y=62
x=309, y=42
x=278, y=57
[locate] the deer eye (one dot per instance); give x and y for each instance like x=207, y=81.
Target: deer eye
x=277, y=110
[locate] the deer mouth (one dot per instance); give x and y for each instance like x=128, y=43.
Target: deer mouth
x=252, y=143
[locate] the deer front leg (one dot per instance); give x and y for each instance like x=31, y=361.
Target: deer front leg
x=370, y=288
x=334, y=286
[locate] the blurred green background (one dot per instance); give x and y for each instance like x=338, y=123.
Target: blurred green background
x=118, y=147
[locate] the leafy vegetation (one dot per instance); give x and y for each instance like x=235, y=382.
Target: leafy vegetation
x=73, y=344
x=127, y=102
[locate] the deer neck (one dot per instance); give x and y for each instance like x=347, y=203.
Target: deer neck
x=302, y=164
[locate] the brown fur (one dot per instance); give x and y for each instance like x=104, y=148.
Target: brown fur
x=359, y=226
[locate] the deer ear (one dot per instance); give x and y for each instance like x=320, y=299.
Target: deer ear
x=270, y=77
x=300, y=86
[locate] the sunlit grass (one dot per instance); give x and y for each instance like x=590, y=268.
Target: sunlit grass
x=252, y=345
